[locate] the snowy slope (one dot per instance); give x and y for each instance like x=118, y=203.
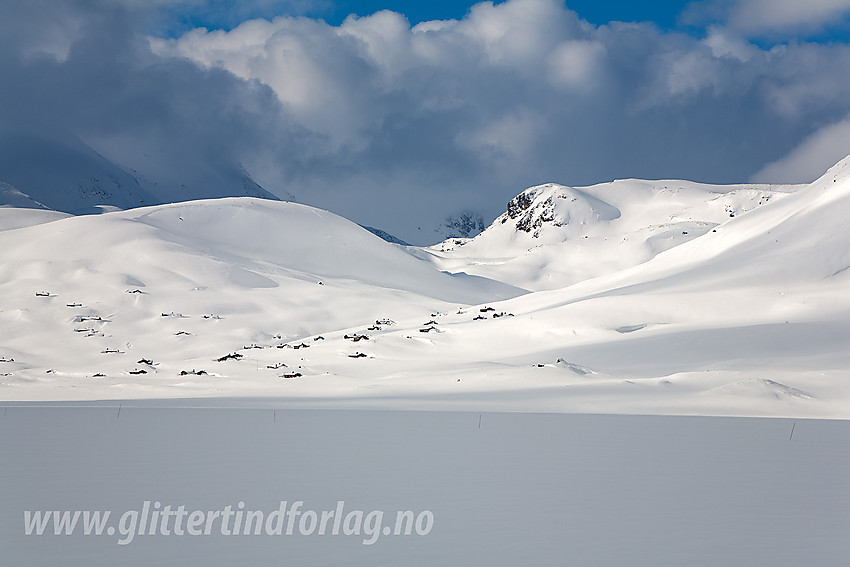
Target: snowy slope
x=746, y=314
x=552, y=236
x=12, y=218
x=186, y=283
x=755, y=312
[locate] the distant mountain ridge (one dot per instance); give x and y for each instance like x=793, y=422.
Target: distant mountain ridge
x=63, y=173
x=465, y=224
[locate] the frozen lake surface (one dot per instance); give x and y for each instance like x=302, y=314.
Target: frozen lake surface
x=503, y=488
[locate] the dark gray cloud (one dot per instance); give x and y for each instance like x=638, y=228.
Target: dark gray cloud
x=96, y=78
x=398, y=127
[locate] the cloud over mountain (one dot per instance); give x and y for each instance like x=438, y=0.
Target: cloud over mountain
x=400, y=126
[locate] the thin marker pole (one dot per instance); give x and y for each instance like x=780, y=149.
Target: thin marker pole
x=792, y=431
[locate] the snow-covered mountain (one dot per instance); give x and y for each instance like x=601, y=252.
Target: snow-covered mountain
x=465, y=224
x=63, y=173
x=632, y=296
x=384, y=235
x=551, y=235
x=753, y=313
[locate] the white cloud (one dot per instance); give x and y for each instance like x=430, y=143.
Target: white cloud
x=519, y=31
x=510, y=136
x=772, y=17
x=724, y=44
x=691, y=72
x=386, y=38
x=811, y=158
x=340, y=80
x=316, y=70
x=760, y=15
x=577, y=63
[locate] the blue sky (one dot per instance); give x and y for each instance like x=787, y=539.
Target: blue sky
x=662, y=12
x=399, y=127
x=223, y=15
x=687, y=16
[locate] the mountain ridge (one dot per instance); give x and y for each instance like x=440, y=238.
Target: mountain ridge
x=63, y=173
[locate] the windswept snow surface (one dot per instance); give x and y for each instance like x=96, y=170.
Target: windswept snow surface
x=630, y=297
